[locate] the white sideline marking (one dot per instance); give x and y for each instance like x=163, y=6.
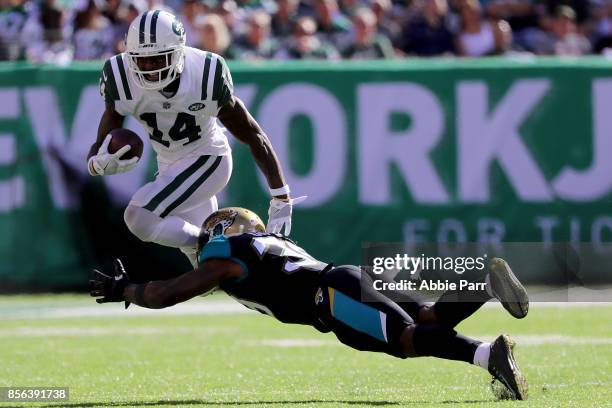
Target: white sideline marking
x=542, y=339
x=553, y=305
x=35, y=331
x=293, y=343
x=47, y=310
x=31, y=331
x=521, y=339
x=209, y=307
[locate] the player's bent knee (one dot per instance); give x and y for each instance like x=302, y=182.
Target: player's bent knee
x=142, y=223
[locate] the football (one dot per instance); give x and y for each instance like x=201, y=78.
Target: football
x=122, y=137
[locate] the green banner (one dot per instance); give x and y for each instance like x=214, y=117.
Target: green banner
x=440, y=150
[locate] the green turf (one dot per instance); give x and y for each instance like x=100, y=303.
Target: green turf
x=233, y=359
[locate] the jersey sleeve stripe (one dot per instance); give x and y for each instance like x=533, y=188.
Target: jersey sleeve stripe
x=124, y=80
x=193, y=187
x=143, y=20
x=205, y=75
x=180, y=179
x=154, y=27
x=117, y=76
x=108, y=76
x=218, y=81
x=211, y=78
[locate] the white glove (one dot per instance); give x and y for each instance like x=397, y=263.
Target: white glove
x=279, y=214
x=105, y=163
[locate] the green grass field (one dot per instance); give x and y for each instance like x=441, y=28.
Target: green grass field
x=248, y=359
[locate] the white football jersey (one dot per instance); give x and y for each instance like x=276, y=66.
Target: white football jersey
x=184, y=124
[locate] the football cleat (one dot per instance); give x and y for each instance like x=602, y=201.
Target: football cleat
x=507, y=289
x=498, y=388
x=503, y=368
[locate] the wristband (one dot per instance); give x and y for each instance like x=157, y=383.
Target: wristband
x=280, y=191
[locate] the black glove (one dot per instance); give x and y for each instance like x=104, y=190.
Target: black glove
x=110, y=288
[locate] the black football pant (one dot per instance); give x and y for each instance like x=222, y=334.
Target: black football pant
x=360, y=316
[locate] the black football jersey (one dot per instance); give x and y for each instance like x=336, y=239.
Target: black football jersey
x=279, y=279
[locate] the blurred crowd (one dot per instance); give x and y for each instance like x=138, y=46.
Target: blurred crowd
x=59, y=31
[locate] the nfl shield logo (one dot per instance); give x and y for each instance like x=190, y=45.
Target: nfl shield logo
x=166, y=105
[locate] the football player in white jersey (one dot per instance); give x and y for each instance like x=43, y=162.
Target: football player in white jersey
x=177, y=93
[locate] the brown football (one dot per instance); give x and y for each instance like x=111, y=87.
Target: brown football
x=122, y=137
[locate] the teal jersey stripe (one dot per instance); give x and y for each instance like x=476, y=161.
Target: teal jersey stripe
x=180, y=179
x=192, y=188
x=357, y=315
x=124, y=80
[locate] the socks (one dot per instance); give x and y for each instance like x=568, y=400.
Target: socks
x=443, y=342
x=481, y=355
x=454, y=305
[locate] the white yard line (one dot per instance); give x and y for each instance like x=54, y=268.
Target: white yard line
x=521, y=339
x=33, y=331
x=219, y=305
x=558, y=305
x=208, y=307
x=293, y=343
x=550, y=338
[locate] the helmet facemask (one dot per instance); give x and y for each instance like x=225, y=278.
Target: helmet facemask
x=160, y=37
x=174, y=63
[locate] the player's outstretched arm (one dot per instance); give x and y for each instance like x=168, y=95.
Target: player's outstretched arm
x=238, y=120
x=161, y=294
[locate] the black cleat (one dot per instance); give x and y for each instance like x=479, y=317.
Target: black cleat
x=507, y=289
x=499, y=389
x=503, y=368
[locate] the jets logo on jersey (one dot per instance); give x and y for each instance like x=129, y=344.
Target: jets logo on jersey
x=196, y=106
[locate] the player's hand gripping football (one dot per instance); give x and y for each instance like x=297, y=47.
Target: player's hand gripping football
x=105, y=163
x=279, y=214
x=109, y=288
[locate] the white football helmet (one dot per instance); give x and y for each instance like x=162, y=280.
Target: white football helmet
x=156, y=33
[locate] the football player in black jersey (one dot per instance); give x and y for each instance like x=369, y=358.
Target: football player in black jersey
x=271, y=274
